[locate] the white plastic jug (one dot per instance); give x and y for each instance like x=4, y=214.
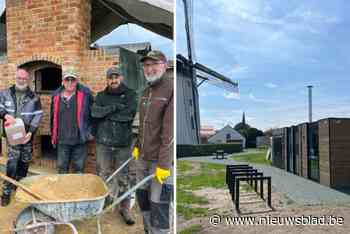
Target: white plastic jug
x=15, y=132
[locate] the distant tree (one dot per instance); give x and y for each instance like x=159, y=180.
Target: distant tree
x=240, y=126
x=252, y=133
x=248, y=132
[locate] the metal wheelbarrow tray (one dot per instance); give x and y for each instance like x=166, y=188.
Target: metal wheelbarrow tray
x=69, y=197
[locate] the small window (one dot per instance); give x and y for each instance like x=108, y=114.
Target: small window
x=48, y=79
x=228, y=137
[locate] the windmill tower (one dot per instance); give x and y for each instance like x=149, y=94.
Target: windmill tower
x=190, y=75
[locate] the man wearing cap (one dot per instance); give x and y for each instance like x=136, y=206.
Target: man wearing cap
x=71, y=122
x=114, y=110
x=155, y=144
x=19, y=101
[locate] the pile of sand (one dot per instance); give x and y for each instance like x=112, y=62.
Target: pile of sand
x=68, y=187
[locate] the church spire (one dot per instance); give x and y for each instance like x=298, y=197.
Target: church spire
x=243, y=119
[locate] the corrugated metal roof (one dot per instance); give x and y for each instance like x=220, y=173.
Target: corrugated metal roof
x=107, y=15
x=154, y=15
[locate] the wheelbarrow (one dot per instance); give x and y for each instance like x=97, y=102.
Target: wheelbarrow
x=61, y=208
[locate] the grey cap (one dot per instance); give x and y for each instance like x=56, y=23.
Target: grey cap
x=70, y=73
x=154, y=55
x=114, y=71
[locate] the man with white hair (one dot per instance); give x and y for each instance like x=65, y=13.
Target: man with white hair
x=155, y=145
x=19, y=101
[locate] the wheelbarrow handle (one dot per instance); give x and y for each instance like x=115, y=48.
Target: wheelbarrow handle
x=126, y=194
x=119, y=169
x=23, y=187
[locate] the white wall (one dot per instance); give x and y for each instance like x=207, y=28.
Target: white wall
x=220, y=136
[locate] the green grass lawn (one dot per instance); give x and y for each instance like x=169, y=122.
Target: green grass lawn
x=193, y=176
x=208, y=175
x=252, y=156
x=191, y=212
x=183, y=166
x=188, y=197
x=192, y=229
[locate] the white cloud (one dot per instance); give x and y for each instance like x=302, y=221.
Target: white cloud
x=207, y=92
x=312, y=61
x=220, y=117
x=203, y=94
x=2, y=5
x=238, y=69
x=249, y=118
x=264, y=33
x=271, y=85
x=260, y=100
x=250, y=11
x=231, y=96
x=311, y=16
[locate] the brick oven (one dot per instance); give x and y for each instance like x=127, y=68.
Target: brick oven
x=47, y=37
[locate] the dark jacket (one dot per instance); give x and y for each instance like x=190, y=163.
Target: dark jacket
x=31, y=112
x=156, y=123
x=84, y=102
x=114, y=113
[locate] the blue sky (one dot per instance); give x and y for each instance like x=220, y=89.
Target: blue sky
x=274, y=49
x=131, y=34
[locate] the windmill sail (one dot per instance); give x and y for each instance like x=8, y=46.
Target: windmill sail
x=190, y=75
x=215, y=78
x=188, y=8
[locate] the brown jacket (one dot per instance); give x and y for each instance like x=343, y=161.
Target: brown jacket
x=156, y=123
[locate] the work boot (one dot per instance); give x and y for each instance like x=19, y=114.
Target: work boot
x=108, y=201
x=5, y=200
x=125, y=213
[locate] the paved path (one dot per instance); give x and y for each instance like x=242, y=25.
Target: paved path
x=300, y=190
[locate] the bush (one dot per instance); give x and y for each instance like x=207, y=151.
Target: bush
x=206, y=149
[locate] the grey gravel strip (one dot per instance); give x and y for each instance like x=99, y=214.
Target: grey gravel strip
x=302, y=191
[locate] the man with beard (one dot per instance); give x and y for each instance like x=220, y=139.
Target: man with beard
x=19, y=101
x=155, y=144
x=114, y=110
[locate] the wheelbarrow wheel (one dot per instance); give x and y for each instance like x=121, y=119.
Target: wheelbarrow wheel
x=31, y=221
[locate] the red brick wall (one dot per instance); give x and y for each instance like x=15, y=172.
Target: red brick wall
x=3, y=84
x=3, y=74
x=59, y=28
x=94, y=66
x=93, y=69
x=57, y=31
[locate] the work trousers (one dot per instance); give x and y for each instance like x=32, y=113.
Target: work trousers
x=17, y=164
x=155, y=200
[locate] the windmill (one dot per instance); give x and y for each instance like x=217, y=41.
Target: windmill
x=190, y=76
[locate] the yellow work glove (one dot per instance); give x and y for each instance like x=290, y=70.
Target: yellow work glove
x=135, y=153
x=162, y=174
